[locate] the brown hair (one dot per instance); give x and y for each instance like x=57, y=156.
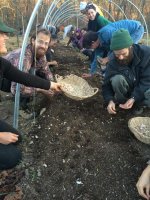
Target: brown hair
x=61, y=28
x=42, y=30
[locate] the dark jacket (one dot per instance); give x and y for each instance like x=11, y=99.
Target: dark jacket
x=8, y=71
x=96, y=24
x=49, y=55
x=137, y=74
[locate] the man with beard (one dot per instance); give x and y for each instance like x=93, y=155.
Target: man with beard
x=127, y=78
x=34, y=63
x=10, y=155
x=100, y=41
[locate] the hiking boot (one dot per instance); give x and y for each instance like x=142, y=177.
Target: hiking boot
x=25, y=114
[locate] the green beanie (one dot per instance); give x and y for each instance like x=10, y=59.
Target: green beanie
x=4, y=28
x=120, y=39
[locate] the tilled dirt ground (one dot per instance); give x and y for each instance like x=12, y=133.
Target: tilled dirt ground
x=76, y=150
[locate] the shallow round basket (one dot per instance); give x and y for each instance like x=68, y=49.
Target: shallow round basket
x=140, y=127
x=76, y=87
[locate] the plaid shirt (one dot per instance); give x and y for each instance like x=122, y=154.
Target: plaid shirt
x=29, y=64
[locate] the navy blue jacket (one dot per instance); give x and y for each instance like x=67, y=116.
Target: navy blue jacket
x=137, y=74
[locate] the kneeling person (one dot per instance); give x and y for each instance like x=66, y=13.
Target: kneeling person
x=10, y=155
x=127, y=79
x=34, y=63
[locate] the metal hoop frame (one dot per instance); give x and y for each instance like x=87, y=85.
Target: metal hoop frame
x=57, y=18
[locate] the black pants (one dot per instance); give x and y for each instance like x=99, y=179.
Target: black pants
x=10, y=155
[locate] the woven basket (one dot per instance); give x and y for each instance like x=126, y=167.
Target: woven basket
x=76, y=87
x=140, y=127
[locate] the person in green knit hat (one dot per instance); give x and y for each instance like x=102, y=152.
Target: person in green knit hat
x=127, y=77
x=127, y=82
x=100, y=41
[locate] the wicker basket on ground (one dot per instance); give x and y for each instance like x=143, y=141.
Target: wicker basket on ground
x=76, y=87
x=140, y=127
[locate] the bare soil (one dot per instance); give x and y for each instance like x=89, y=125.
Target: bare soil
x=76, y=150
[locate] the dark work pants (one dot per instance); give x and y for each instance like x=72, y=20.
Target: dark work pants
x=10, y=155
x=122, y=90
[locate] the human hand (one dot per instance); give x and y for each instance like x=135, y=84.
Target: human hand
x=81, y=50
x=103, y=61
x=85, y=75
x=143, y=184
x=55, y=86
x=54, y=63
x=48, y=93
x=111, y=108
x=129, y=103
x=7, y=138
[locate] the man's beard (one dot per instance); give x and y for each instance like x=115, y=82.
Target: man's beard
x=127, y=60
x=39, y=51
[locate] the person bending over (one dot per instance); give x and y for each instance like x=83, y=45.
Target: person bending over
x=34, y=62
x=100, y=41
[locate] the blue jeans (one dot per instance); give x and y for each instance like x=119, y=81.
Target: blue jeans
x=101, y=52
x=122, y=90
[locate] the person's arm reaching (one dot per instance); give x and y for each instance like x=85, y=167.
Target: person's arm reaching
x=12, y=73
x=143, y=184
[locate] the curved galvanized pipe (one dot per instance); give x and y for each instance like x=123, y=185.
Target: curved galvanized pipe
x=147, y=33
x=68, y=9
x=63, y=6
x=50, y=10
x=79, y=14
x=68, y=17
x=71, y=9
x=108, y=13
x=65, y=14
x=17, y=96
x=119, y=8
x=102, y=9
x=140, y=14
